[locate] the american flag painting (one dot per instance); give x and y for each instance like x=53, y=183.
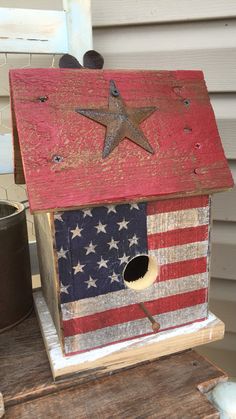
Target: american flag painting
x=93, y=247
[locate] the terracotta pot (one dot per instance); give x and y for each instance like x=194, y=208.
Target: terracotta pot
x=16, y=300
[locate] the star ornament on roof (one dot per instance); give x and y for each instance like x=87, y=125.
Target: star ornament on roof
x=121, y=121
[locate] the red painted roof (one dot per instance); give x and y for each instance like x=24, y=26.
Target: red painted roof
x=188, y=157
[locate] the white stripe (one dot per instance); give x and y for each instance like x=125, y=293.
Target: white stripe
x=179, y=253
x=122, y=298
x=127, y=330
x=167, y=221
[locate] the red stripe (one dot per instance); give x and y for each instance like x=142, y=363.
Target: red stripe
x=132, y=312
x=184, y=268
x=177, y=204
x=177, y=237
x=138, y=336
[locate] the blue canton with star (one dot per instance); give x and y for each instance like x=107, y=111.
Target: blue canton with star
x=94, y=246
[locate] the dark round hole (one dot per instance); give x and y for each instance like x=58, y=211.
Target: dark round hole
x=195, y=363
x=136, y=268
x=115, y=93
x=187, y=129
x=186, y=102
x=197, y=145
x=6, y=209
x=43, y=98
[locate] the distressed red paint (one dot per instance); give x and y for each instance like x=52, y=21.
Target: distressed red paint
x=132, y=312
x=82, y=177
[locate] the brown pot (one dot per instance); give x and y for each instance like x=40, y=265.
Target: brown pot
x=16, y=300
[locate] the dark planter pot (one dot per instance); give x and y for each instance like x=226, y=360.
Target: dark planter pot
x=16, y=300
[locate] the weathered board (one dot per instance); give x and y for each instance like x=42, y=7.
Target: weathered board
x=44, y=230
x=33, y=31
x=154, y=389
x=188, y=157
x=97, y=306
x=123, y=354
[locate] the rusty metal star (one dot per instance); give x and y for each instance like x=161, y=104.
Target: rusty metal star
x=121, y=121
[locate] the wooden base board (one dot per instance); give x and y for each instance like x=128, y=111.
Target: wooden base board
x=123, y=354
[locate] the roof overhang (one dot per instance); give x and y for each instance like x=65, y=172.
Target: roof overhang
x=59, y=150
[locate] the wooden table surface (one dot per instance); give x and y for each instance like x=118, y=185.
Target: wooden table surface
x=171, y=387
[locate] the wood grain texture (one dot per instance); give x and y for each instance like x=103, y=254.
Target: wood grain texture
x=123, y=354
x=188, y=156
x=134, y=12
x=19, y=175
x=224, y=106
x=2, y=408
x=79, y=27
x=44, y=231
x=156, y=388
x=33, y=31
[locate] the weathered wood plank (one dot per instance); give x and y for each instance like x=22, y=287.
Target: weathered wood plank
x=134, y=12
x=79, y=27
x=170, y=167
x=2, y=408
x=44, y=230
x=224, y=106
x=34, y=31
x=123, y=354
x=25, y=375
x=142, y=393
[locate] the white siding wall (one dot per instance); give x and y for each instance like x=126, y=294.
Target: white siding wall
x=188, y=34
x=169, y=34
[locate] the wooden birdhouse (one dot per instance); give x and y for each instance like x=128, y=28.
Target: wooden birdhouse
x=119, y=168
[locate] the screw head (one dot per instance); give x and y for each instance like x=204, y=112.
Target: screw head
x=43, y=98
x=186, y=102
x=57, y=159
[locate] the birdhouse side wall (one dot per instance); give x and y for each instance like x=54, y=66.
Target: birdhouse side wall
x=94, y=246
x=44, y=230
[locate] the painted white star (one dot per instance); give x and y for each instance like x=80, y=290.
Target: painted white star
x=62, y=253
x=111, y=208
x=78, y=268
x=123, y=224
x=124, y=259
x=87, y=212
x=134, y=206
x=101, y=228
x=58, y=216
x=91, y=282
x=102, y=263
x=133, y=240
x=90, y=248
x=114, y=277
x=64, y=288
x=76, y=232
x=113, y=244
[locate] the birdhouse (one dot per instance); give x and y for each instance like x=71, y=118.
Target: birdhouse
x=119, y=168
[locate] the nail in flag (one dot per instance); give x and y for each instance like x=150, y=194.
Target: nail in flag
x=94, y=246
